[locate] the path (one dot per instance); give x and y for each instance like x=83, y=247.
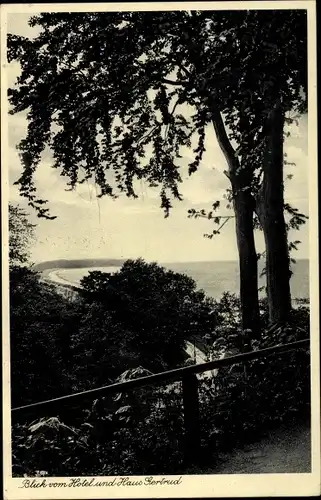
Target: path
x=195, y=354
x=285, y=450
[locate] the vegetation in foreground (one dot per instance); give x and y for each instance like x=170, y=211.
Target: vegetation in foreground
x=201, y=63
x=124, y=326
x=59, y=347
x=142, y=432
x=186, y=73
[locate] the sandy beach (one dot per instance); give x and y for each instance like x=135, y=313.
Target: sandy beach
x=55, y=277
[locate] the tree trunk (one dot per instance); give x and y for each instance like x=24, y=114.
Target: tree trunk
x=244, y=209
x=270, y=209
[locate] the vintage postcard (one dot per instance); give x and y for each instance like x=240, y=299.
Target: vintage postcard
x=160, y=250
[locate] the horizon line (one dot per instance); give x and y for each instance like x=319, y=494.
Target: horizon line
x=124, y=259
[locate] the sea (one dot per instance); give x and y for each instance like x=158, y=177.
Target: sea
x=214, y=277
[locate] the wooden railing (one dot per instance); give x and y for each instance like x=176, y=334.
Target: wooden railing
x=189, y=386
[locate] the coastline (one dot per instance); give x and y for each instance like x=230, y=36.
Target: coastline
x=56, y=276
x=53, y=275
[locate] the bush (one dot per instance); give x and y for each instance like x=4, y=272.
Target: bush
x=247, y=399
x=136, y=433
x=157, y=309
x=142, y=431
x=41, y=323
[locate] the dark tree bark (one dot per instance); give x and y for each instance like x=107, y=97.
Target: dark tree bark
x=270, y=210
x=244, y=206
x=244, y=210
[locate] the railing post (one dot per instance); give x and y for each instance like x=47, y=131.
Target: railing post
x=192, y=442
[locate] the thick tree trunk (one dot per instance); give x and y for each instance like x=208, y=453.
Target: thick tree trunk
x=244, y=208
x=244, y=211
x=270, y=209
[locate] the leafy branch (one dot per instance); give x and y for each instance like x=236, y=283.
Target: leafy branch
x=219, y=220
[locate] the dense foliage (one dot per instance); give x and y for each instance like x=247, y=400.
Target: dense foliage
x=175, y=67
x=39, y=321
x=240, y=72
x=39, y=337
x=124, y=326
x=21, y=232
x=142, y=432
x=141, y=315
x=157, y=309
x=243, y=72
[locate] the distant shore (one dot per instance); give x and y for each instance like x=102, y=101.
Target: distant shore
x=77, y=264
x=55, y=276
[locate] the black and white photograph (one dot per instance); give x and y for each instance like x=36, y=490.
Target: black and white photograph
x=160, y=250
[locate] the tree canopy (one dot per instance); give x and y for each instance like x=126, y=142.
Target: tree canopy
x=21, y=232
x=118, y=95
x=243, y=72
x=41, y=322
x=157, y=309
x=40, y=343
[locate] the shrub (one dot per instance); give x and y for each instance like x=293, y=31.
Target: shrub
x=142, y=431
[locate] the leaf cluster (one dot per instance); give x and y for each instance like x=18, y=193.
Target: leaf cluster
x=21, y=232
x=157, y=309
x=141, y=432
x=118, y=97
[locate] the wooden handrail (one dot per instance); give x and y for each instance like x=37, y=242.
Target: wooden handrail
x=158, y=378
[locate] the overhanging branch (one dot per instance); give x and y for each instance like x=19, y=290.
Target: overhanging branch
x=222, y=138
x=172, y=82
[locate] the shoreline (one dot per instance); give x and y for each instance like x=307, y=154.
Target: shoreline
x=54, y=276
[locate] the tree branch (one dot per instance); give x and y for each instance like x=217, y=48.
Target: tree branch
x=179, y=65
x=172, y=82
x=79, y=72
x=216, y=216
x=197, y=215
x=171, y=115
x=148, y=135
x=187, y=73
x=216, y=118
x=223, y=224
x=222, y=138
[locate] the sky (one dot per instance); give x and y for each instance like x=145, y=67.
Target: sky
x=125, y=228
